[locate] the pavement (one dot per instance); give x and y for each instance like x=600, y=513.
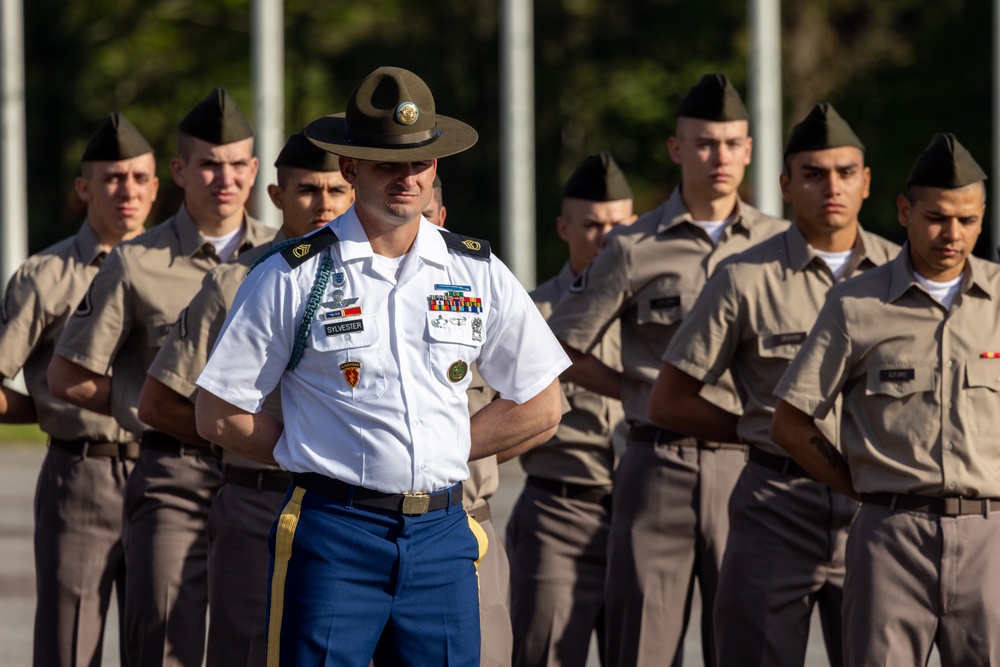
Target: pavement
x=19, y=465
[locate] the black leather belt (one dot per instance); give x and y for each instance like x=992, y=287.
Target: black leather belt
x=782, y=464
x=953, y=506
x=128, y=451
x=404, y=503
x=162, y=442
x=591, y=494
x=644, y=434
x=253, y=478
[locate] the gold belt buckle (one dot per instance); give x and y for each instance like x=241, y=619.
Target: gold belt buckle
x=416, y=503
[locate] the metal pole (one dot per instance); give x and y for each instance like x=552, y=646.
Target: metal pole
x=994, y=182
x=765, y=103
x=13, y=163
x=517, y=139
x=267, y=36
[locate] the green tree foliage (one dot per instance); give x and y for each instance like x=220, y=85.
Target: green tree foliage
x=608, y=76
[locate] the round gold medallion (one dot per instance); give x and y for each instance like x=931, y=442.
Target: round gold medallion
x=407, y=113
x=457, y=371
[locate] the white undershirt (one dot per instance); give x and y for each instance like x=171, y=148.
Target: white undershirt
x=225, y=246
x=943, y=293
x=837, y=261
x=713, y=228
x=389, y=267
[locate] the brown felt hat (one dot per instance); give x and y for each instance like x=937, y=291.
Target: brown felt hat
x=823, y=128
x=304, y=154
x=116, y=139
x=217, y=120
x=713, y=98
x=598, y=178
x=390, y=117
x=945, y=163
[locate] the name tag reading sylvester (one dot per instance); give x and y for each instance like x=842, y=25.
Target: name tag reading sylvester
x=340, y=328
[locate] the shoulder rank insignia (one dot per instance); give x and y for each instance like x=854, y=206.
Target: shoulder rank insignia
x=466, y=244
x=299, y=250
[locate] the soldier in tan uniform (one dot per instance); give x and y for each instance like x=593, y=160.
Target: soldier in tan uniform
x=78, y=502
x=134, y=300
x=310, y=192
x=669, y=516
x=557, y=535
x=912, y=348
x=788, y=531
x=484, y=479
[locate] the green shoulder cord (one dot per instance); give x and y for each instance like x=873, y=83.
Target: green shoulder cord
x=319, y=286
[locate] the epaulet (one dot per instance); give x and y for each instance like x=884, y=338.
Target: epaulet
x=306, y=247
x=466, y=244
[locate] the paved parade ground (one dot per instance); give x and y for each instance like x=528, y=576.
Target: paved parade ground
x=19, y=466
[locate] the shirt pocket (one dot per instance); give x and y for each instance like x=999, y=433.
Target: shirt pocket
x=349, y=357
x=780, y=345
x=663, y=302
x=901, y=400
x=982, y=397
x=453, y=342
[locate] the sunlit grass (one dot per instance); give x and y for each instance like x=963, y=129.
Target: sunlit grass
x=21, y=433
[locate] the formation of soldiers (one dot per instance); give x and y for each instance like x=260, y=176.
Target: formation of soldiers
x=739, y=383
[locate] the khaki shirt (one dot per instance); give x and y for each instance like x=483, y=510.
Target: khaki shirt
x=921, y=402
x=185, y=351
x=135, y=299
x=581, y=452
x=753, y=316
x=648, y=275
x=484, y=474
x=40, y=298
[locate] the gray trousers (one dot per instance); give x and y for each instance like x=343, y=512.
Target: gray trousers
x=238, y=560
x=785, y=554
x=669, y=522
x=558, y=550
x=167, y=501
x=78, y=555
x=915, y=580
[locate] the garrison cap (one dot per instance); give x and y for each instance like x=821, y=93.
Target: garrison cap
x=390, y=117
x=304, y=154
x=116, y=139
x=945, y=163
x=823, y=128
x=217, y=120
x=713, y=98
x=598, y=178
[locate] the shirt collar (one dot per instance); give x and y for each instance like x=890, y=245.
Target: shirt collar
x=354, y=244
x=88, y=246
x=675, y=212
x=901, y=278
x=800, y=253
x=254, y=233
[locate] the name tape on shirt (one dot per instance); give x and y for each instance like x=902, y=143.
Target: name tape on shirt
x=663, y=302
x=793, y=338
x=339, y=328
x=897, y=375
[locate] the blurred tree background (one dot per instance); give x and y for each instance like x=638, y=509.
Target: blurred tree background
x=608, y=76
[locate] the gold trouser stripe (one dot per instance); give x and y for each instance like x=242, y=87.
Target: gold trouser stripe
x=282, y=553
x=484, y=542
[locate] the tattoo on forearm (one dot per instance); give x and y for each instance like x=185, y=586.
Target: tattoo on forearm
x=826, y=450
